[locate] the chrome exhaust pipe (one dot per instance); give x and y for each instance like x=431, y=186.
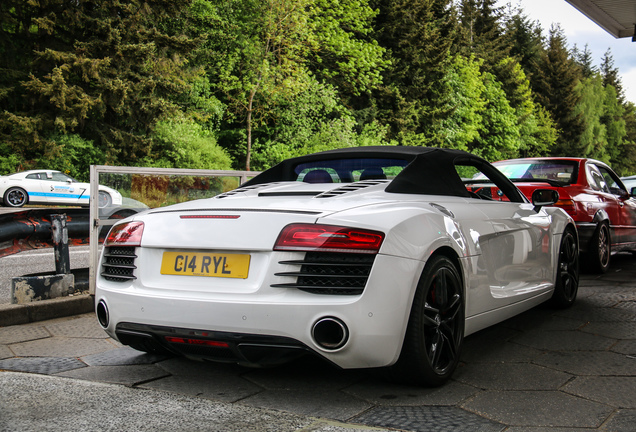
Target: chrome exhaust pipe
x=330, y=333
x=102, y=314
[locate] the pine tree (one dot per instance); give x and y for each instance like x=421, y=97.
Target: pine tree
x=611, y=75
x=555, y=85
x=584, y=60
x=414, y=98
x=482, y=33
x=102, y=69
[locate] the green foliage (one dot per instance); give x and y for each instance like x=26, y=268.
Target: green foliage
x=593, y=139
x=314, y=121
x=74, y=158
x=463, y=126
x=223, y=84
x=185, y=144
x=9, y=161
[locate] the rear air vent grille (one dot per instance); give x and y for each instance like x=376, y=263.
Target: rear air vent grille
x=350, y=187
x=242, y=189
x=329, y=273
x=119, y=263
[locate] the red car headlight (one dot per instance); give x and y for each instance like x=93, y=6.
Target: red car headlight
x=330, y=238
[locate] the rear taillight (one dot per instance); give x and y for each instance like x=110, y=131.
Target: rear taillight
x=328, y=238
x=126, y=234
x=567, y=205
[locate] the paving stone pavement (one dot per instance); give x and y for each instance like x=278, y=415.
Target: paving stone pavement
x=557, y=370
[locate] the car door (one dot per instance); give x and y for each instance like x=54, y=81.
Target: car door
x=61, y=189
x=517, y=254
x=623, y=207
x=34, y=184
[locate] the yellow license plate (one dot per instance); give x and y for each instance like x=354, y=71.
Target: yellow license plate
x=205, y=264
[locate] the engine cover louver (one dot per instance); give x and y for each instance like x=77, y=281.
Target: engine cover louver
x=330, y=273
x=119, y=263
x=242, y=189
x=350, y=187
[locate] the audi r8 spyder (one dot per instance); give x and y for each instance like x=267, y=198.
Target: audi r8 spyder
x=371, y=257
x=589, y=191
x=51, y=187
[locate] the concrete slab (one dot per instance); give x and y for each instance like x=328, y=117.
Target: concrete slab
x=128, y=375
x=596, y=363
x=511, y=376
x=217, y=382
x=614, y=391
x=544, y=409
x=61, y=347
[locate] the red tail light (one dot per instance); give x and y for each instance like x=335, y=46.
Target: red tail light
x=127, y=234
x=311, y=237
x=567, y=205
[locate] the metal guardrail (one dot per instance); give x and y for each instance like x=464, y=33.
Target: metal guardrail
x=98, y=222
x=32, y=229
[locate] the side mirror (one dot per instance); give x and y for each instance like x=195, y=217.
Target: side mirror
x=632, y=192
x=544, y=197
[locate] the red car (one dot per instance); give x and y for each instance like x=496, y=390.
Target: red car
x=590, y=192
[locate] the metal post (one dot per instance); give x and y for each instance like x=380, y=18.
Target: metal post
x=60, y=244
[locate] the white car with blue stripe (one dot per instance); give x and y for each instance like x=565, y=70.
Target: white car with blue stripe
x=51, y=187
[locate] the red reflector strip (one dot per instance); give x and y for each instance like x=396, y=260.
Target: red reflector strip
x=179, y=340
x=209, y=216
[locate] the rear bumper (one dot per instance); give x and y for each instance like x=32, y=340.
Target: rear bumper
x=280, y=319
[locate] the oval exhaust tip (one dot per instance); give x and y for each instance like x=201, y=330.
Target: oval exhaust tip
x=102, y=314
x=330, y=333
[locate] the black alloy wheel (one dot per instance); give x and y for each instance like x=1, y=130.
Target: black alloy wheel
x=435, y=331
x=15, y=197
x=567, y=279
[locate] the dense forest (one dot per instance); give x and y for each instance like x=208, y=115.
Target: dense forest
x=243, y=84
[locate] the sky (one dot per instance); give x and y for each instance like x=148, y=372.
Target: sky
x=581, y=30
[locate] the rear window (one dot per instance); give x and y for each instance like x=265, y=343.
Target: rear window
x=564, y=172
x=349, y=170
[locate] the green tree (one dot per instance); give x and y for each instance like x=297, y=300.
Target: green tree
x=102, y=70
x=556, y=82
x=463, y=126
x=183, y=143
x=593, y=139
x=537, y=131
x=271, y=49
x=611, y=76
x=415, y=96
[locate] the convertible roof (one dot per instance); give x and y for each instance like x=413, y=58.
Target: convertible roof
x=430, y=170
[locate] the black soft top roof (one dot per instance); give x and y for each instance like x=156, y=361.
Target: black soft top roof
x=429, y=170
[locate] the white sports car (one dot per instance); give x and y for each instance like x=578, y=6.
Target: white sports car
x=51, y=187
x=368, y=257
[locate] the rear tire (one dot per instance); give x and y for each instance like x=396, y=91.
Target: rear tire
x=433, y=341
x=598, y=255
x=567, y=279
